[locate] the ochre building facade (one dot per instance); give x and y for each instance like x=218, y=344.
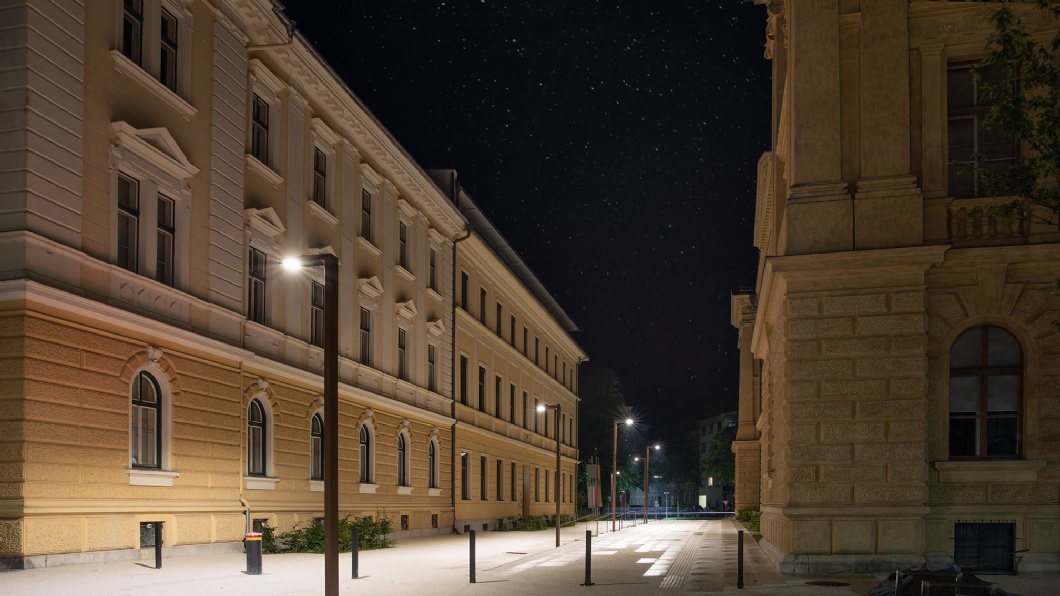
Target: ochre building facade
x=158, y=365
x=900, y=371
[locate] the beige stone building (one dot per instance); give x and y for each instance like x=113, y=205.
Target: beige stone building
x=900, y=373
x=514, y=357
x=158, y=365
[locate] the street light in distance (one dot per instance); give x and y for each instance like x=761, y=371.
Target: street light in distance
x=559, y=409
x=647, y=453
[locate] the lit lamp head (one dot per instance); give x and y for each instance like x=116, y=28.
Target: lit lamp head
x=292, y=264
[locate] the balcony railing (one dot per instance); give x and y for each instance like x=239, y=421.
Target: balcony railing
x=985, y=219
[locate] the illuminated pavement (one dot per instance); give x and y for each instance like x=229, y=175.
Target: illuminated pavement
x=660, y=558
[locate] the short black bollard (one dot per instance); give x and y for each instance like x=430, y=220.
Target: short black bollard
x=253, y=553
x=472, y=534
x=158, y=545
x=354, y=548
x=739, y=562
x=588, y=558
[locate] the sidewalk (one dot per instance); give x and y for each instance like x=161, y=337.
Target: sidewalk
x=661, y=558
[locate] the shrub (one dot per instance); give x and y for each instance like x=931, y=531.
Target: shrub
x=749, y=517
x=309, y=538
x=531, y=523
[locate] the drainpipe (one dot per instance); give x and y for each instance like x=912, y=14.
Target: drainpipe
x=454, y=189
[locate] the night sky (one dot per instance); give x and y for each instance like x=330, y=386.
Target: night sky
x=614, y=145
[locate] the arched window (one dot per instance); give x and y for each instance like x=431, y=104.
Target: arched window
x=146, y=421
x=986, y=394
x=316, y=440
x=366, y=454
x=402, y=461
x=256, y=426
x=432, y=464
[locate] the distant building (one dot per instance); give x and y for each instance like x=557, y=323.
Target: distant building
x=161, y=157
x=899, y=368
x=714, y=495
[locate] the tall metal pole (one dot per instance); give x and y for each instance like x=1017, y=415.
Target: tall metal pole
x=559, y=409
x=647, y=452
x=331, y=424
x=614, y=477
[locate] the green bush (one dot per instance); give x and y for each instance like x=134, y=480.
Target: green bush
x=309, y=538
x=531, y=523
x=750, y=518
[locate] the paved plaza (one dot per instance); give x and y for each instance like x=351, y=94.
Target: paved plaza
x=659, y=558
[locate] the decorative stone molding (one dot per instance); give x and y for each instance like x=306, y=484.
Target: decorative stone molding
x=145, y=477
x=407, y=310
x=403, y=427
x=1020, y=470
x=260, y=482
x=370, y=287
x=436, y=328
x=154, y=354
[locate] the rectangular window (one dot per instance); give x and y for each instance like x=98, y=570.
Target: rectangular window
x=511, y=403
x=132, y=29
x=432, y=270
x=256, y=289
x=259, y=140
x=402, y=355
x=500, y=481
x=972, y=147
x=497, y=408
x=465, y=477
x=499, y=321
x=434, y=520
x=482, y=388
x=404, y=522
x=463, y=290
x=526, y=335
x=366, y=336
x=483, y=485
x=366, y=215
x=511, y=331
x=537, y=485
x=403, y=246
x=535, y=414
x=526, y=415
x=511, y=486
x=537, y=345
x=985, y=547
x=432, y=361
x=547, y=492
x=320, y=177
x=463, y=380
x=167, y=72
x=316, y=314
x=482, y=305
x=164, y=250
x=128, y=222
x=546, y=359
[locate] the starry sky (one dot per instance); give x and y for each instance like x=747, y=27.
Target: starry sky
x=613, y=143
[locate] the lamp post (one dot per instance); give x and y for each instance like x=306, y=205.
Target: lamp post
x=331, y=410
x=557, y=407
x=614, y=466
x=647, y=452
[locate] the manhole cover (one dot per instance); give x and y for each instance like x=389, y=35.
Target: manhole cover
x=825, y=582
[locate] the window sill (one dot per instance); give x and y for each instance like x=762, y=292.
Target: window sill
x=368, y=489
x=260, y=482
x=367, y=245
x=316, y=486
x=323, y=213
x=132, y=70
x=149, y=477
x=404, y=490
x=434, y=492
x=1008, y=470
x=405, y=273
x=433, y=294
x=270, y=175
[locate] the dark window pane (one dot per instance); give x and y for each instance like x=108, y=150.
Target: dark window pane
x=959, y=88
x=963, y=437
x=1002, y=348
x=1002, y=436
x=964, y=394
x=1003, y=393
x=966, y=351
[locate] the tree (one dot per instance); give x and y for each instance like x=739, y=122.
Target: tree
x=720, y=462
x=1020, y=77
x=602, y=402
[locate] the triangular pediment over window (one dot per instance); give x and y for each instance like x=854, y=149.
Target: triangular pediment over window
x=157, y=146
x=371, y=287
x=265, y=222
x=407, y=310
x=436, y=328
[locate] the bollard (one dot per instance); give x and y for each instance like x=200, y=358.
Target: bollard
x=472, y=534
x=353, y=550
x=253, y=553
x=739, y=562
x=158, y=545
x=588, y=558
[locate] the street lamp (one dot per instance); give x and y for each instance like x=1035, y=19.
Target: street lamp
x=558, y=409
x=614, y=464
x=647, y=452
x=331, y=410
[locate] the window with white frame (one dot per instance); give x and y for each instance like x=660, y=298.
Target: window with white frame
x=316, y=314
x=432, y=270
x=316, y=448
x=366, y=453
x=432, y=367
x=264, y=119
x=403, y=246
x=432, y=464
x=402, y=354
x=151, y=205
x=973, y=147
x=512, y=493
x=153, y=44
x=481, y=388
x=366, y=215
x=403, y=460
x=483, y=479
x=463, y=379
x=511, y=403
x=500, y=481
x=257, y=264
x=366, y=336
x=465, y=476
x=146, y=439
x=320, y=178
x=372, y=187
x=257, y=428
x=323, y=189
x=498, y=396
